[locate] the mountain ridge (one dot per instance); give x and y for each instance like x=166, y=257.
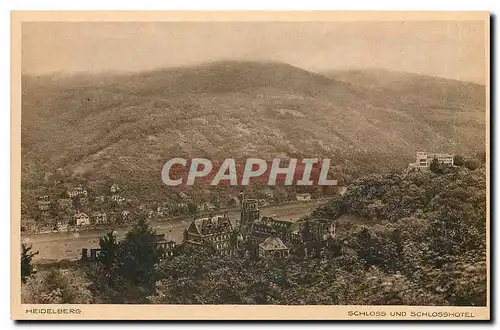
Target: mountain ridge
x=120, y=125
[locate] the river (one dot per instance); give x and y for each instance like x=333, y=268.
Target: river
x=68, y=245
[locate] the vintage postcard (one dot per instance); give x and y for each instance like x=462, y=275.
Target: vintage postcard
x=250, y=166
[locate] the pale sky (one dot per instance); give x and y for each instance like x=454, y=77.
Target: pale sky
x=447, y=49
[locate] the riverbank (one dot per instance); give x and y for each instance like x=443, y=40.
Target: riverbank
x=68, y=245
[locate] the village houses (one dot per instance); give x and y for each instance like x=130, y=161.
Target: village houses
x=99, y=218
x=62, y=226
x=263, y=202
x=206, y=206
x=44, y=203
x=77, y=192
x=114, y=188
x=125, y=215
x=303, y=197
x=29, y=225
x=118, y=199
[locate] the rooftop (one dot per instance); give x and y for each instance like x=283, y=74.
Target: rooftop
x=209, y=225
x=273, y=243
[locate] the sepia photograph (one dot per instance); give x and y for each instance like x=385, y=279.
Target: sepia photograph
x=239, y=165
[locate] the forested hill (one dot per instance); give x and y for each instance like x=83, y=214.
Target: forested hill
x=414, y=238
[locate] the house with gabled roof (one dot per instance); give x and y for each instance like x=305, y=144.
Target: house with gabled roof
x=216, y=231
x=82, y=219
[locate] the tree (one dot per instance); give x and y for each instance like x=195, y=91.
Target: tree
x=306, y=231
x=126, y=271
x=54, y=210
x=435, y=166
x=137, y=258
x=192, y=276
x=27, y=269
x=472, y=164
x=192, y=208
x=109, y=248
x=76, y=203
x=104, y=274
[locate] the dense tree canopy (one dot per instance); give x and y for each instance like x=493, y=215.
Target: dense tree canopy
x=56, y=286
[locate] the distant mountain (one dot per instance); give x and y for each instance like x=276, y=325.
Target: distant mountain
x=450, y=92
x=125, y=126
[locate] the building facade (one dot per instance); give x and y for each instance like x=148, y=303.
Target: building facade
x=269, y=226
x=260, y=237
x=216, y=230
x=93, y=256
x=303, y=197
x=82, y=219
x=168, y=246
x=44, y=205
x=424, y=159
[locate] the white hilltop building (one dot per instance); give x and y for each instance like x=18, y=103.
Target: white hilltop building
x=424, y=159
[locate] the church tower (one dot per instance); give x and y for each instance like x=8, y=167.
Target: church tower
x=249, y=213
